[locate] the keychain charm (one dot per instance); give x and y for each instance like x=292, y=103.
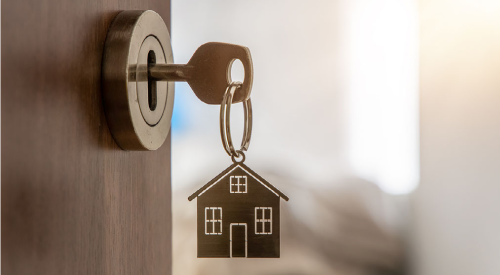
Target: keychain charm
x=238, y=210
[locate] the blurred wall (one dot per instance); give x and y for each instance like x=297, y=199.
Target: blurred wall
x=457, y=205
x=298, y=93
x=334, y=92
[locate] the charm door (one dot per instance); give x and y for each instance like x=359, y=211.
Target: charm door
x=238, y=240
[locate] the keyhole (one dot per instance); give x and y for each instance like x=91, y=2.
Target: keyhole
x=152, y=93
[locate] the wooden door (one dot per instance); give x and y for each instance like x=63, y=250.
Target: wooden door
x=72, y=201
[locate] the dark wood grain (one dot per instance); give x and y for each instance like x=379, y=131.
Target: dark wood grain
x=72, y=201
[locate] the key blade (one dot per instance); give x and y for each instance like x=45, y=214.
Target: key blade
x=211, y=71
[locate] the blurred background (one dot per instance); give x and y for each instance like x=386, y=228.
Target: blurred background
x=375, y=117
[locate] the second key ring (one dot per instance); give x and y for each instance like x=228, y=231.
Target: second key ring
x=225, y=115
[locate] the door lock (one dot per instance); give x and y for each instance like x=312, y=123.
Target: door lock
x=138, y=78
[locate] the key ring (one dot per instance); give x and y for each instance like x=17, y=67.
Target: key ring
x=225, y=114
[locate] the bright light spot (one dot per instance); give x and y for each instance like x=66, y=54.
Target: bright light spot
x=383, y=93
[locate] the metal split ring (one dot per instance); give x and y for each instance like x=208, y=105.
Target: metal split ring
x=225, y=114
x=241, y=154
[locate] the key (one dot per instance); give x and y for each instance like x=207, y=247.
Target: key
x=208, y=71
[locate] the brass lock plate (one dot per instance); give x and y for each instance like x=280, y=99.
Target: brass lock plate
x=138, y=111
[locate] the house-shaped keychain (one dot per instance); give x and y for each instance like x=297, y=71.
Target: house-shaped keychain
x=238, y=215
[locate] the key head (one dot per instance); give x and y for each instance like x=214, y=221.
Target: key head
x=211, y=71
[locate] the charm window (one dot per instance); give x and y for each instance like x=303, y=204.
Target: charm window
x=213, y=221
x=263, y=220
x=238, y=184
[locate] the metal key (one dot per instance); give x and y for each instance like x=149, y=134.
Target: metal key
x=208, y=71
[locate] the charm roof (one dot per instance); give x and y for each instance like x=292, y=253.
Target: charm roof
x=245, y=168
